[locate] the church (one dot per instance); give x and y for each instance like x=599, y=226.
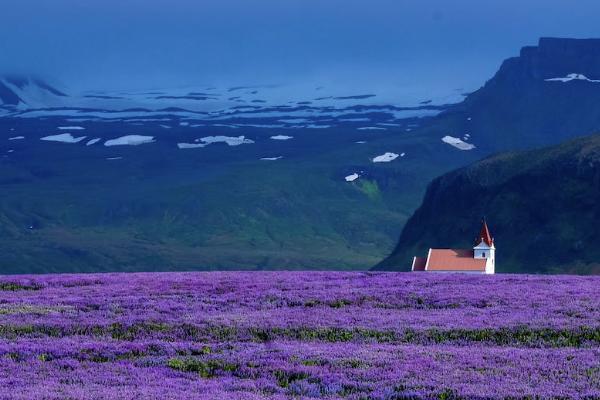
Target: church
x=481, y=259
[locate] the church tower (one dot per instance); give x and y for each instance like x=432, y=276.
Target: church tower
x=485, y=249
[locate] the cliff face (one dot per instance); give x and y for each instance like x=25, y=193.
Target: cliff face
x=553, y=57
x=543, y=207
x=520, y=108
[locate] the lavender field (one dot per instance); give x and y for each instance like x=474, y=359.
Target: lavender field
x=280, y=335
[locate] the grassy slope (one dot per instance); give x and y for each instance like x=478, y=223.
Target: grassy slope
x=160, y=208
x=542, y=206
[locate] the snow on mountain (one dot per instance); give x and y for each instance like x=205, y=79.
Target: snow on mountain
x=129, y=140
x=386, y=157
x=64, y=138
x=191, y=145
x=458, y=143
x=351, y=177
x=271, y=158
x=26, y=92
x=92, y=141
x=295, y=106
x=371, y=128
x=229, y=140
x=573, y=77
x=281, y=137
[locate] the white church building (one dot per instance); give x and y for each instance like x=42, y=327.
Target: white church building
x=481, y=259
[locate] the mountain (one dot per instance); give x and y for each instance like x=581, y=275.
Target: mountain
x=543, y=206
x=19, y=92
x=258, y=176
x=547, y=94
x=26, y=97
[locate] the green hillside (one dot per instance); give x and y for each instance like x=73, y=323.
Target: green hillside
x=543, y=207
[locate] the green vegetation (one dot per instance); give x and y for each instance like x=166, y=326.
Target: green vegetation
x=541, y=206
x=295, y=216
x=205, y=368
x=285, y=378
x=370, y=188
x=13, y=286
x=520, y=336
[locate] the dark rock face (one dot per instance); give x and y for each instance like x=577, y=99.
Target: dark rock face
x=543, y=207
x=552, y=58
x=519, y=109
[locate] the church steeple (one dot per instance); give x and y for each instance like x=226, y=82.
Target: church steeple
x=485, y=248
x=484, y=235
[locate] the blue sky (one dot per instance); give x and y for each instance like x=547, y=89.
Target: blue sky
x=131, y=44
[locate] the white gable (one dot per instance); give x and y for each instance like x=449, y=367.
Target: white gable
x=483, y=246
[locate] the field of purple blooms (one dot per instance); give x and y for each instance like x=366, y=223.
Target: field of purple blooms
x=282, y=335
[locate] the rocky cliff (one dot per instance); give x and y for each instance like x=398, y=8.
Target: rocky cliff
x=548, y=94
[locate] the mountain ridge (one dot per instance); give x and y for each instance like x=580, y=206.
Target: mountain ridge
x=519, y=108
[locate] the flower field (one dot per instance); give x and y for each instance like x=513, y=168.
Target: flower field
x=282, y=335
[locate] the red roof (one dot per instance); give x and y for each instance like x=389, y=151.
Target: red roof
x=484, y=235
x=454, y=260
x=419, y=263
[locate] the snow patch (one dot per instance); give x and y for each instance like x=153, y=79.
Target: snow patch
x=573, y=77
x=372, y=128
x=456, y=142
x=16, y=138
x=129, y=140
x=281, y=137
x=295, y=120
x=64, y=138
x=257, y=126
x=191, y=145
x=387, y=157
x=230, y=140
x=71, y=128
x=221, y=125
x=351, y=178
x=355, y=120
x=404, y=114
x=93, y=141
x=271, y=158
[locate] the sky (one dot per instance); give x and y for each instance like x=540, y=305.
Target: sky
x=135, y=44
